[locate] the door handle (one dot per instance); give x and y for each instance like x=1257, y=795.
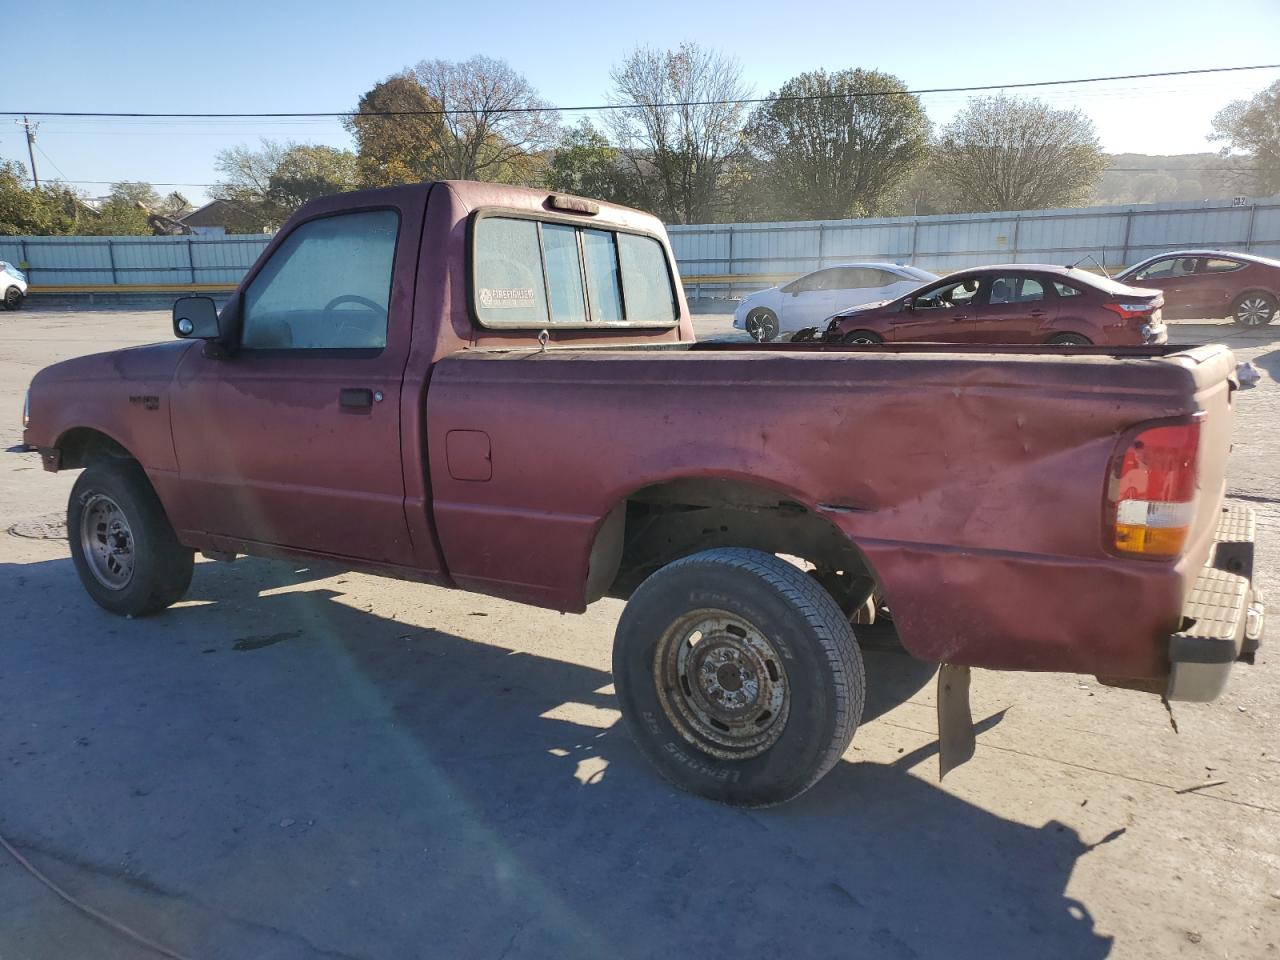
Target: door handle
x=354, y=397
x=961, y=316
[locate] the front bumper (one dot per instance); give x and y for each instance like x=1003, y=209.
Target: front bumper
x=1223, y=616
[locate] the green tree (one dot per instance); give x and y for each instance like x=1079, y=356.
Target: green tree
x=124, y=212
x=1000, y=153
x=264, y=186
x=26, y=211
x=678, y=124
x=1252, y=127
x=586, y=163
x=831, y=147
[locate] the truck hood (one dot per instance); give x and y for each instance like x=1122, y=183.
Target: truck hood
x=155, y=361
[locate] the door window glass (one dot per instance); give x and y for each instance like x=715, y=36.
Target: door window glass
x=1005, y=290
x=1065, y=289
x=1165, y=269
x=947, y=295
x=326, y=287
x=1219, y=265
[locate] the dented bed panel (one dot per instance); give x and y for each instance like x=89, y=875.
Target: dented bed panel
x=972, y=482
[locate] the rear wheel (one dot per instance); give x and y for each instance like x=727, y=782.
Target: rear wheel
x=1070, y=340
x=762, y=324
x=126, y=553
x=738, y=676
x=1254, y=310
x=12, y=298
x=865, y=337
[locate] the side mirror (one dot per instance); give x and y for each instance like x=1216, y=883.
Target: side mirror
x=195, y=318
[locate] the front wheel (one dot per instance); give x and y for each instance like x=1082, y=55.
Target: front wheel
x=1254, y=310
x=762, y=324
x=738, y=676
x=12, y=298
x=126, y=553
x=863, y=337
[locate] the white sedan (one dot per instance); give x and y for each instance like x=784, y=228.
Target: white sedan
x=13, y=286
x=811, y=299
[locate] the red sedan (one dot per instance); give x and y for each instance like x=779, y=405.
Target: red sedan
x=1014, y=303
x=1209, y=284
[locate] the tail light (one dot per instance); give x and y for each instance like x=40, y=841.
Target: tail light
x=1152, y=490
x=1131, y=311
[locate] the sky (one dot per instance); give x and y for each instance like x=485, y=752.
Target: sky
x=282, y=55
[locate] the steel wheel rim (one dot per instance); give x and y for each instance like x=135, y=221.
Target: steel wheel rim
x=106, y=540
x=722, y=684
x=1253, y=312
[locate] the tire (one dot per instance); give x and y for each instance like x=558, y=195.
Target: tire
x=124, y=549
x=1069, y=340
x=773, y=631
x=1254, y=310
x=12, y=298
x=761, y=324
x=863, y=337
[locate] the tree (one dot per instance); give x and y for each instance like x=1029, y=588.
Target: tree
x=586, y=163
x=477, y=119
x=27, y=211
x=124, y=212
x=831, y=148
x=394, y=144
x=678, y=123
x=1005, y=154
x=1253, y=127
x=263, y=187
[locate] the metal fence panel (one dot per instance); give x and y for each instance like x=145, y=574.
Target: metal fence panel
x=730, y=259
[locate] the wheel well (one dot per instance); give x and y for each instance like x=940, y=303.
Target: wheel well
x=80, y=446
x=1253, y=293
x=667, y=521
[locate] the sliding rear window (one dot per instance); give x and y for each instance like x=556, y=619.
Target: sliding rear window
x=542, y=273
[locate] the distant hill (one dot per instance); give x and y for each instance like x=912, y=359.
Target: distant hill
x=1145, y=178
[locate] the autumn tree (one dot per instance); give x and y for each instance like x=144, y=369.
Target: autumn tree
x=397, y=128
x=836, y=145
x=677, y=119
x=1252, y=127
x=1000, y=153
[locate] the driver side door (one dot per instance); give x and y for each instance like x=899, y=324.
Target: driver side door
x=941, y=313
x=807, y=301
x=294, y=439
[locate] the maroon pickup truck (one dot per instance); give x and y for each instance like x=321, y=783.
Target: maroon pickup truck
x=498, y=390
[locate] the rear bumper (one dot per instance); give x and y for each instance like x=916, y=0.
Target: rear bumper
x=1223, y=616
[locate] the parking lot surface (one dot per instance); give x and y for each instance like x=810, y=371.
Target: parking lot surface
x=300, y=762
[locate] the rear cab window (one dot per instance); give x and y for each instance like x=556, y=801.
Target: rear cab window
x=532, y=272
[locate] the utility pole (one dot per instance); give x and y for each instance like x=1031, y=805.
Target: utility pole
x=31, y=153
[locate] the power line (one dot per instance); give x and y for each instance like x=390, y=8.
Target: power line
x=629, y=106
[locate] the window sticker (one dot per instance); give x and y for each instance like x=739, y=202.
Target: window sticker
x=499, y=298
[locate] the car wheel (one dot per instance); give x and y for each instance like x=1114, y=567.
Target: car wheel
x=1070, y=340
x=1254, y=310
x=762, y=324
x=12, y=298
x=864, y=337
x=738, y=676
x=123, y=547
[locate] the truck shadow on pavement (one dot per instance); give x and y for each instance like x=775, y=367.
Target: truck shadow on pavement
x=364, y=788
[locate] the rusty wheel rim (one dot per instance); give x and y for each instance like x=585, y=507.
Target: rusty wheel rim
x=106, y=541
x=722, y=684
